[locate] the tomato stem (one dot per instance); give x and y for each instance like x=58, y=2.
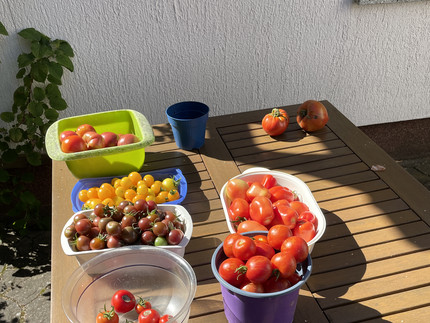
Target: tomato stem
x=277, y=114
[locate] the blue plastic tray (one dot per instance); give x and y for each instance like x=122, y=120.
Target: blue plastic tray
x=161, y=174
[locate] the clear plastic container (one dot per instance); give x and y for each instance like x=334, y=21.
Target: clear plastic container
x=152, y=273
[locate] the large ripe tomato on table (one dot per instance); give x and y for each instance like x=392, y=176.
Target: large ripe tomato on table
x=276, y=122
x=312, y=116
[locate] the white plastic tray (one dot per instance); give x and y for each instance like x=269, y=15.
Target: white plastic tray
x=301, y=189
x=179, y=210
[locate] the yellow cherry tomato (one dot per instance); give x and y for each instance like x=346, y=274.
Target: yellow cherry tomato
x=169, y=184
x=156, y=187
x=129, y=194
x=149, y=179
x=162, y=197
x=83, y=197
x=106, y=191
x=126, y=182
x=117, y=183
x=150, y=198
x=139, y=197
x=142, y=190
x=141, y=182
x=113, y=180
x=93, y=202
x=134, y=177
x=119, y=191
x=173, y=195
x=117, y=200
x=93, y=193
x=108, y=201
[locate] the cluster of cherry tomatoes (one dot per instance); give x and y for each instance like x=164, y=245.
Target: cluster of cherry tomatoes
x=112, y=227
x=263, y=263
x=86, y=138
x=131, y=188
x=123, y=301
x=258, y=206
x=311, y=116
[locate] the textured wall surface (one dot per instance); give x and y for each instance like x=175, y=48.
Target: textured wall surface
x=372, y=62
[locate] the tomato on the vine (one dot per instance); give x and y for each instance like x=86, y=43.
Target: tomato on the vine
x=276, y=122
x=312, y=115
x=106, y=316
x=142, y=304
x=123, y=301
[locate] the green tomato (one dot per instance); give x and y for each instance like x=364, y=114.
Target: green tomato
x=160, y=241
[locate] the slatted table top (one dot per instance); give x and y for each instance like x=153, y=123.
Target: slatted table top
x=372, y=263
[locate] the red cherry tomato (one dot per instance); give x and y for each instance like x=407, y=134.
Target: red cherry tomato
x=256, y=189
x=268, y=181
x=276, y=122
x=300, y=207
x=149, y=316
x=277, y=234
x=141, y=305
x=276, y=284
x=123, y=301
x=264, y=249
x=238, y=210
x=305, y=230
x=312, y=115
x=309, y=216
x=294, y=279
x=259, y=269
x=166, y=318
x=261, y=210
x=230, y=272
x=284, y=263
x=107, y=316
x=236, y=187
x=288, y=215
x=297, y=246
x=228, y=244
x=251, y=287
x=250, y=225
x=281, y=193
x=260, y=237
x=244, y=248
x=73, y=144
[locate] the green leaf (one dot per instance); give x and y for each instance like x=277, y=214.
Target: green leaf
x=15, y=134
x=6, y=196
x=58, y=103
x=25, y=60
x=28, y=80
x=51, y=114
x=38, y=121
x=54, y=80
x=65, y=61
x=3, y=146
x=55, y=69
x=66, y=49
x=27, y=197
x=9, y=156
x=3, y=30
x=35, y=49
x=4, y=175
x=52, y=91
x=34, y=158
x=39, y=71
x=20, y=73
x=39, y=93
x=7, y=116
x=35, y=108
x=31, y=34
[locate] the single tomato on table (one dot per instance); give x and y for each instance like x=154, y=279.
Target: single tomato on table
x=312, y=116
x=276, y=122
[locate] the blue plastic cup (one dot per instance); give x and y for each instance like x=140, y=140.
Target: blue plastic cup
x=188, y=122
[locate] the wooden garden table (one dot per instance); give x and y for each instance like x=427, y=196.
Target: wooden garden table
x=373, y=262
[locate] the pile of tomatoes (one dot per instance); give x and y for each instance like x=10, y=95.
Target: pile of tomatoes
x=258, y=206
x=112, y=227
x=131, y=188
x=85, y=137
x=123, y=301
x=263, y=263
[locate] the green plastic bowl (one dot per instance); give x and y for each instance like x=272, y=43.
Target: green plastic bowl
x=104, y=161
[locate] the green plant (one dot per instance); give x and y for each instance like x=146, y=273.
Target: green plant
x=36, y=105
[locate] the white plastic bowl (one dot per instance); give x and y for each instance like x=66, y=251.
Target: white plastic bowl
x=158, y=275
x=179, y=210
x=301, y=189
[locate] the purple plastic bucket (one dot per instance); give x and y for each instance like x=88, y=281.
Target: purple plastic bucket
x=245, y=307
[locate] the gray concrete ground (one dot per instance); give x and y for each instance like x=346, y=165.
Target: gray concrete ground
x=25, y=266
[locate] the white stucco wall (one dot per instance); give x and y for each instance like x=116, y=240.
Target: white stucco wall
x=372, y=62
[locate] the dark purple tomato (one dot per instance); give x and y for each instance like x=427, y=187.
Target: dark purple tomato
x=70, y=231
x=151, y=205
x=99, y=210
x=169, y=215
x=114, y=242
x=144, y=224
x=153, y=217
x=175, y=237
x=83, y=243
x=78, y=217
x=103, y=222
x=147, y=237
x=127, y=221
x=94, y=232
x=129, y=235
x=97, y=243
x=113, y=228
x=83, y=226
x=130, y=209
x=160, y=229
x=141, y=205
